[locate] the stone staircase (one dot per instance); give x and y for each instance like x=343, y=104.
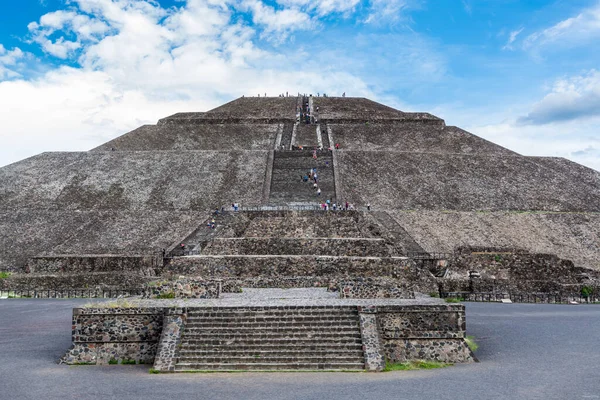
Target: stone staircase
x=286, y=136
x=290, y=166
x=203, y=234
x=306, y=136
x=271, y=338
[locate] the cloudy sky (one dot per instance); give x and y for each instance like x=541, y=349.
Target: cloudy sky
x=76, y=73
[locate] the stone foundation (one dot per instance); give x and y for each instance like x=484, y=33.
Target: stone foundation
x=183, y=288
x=104, y=335
x=394, y=333
x=375, y=288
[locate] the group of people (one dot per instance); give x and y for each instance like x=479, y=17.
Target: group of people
x=330, y=205
x=312, y=176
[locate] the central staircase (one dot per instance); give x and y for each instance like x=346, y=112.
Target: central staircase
x=288, y=169
x=271, y=338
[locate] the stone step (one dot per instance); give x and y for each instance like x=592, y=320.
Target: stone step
x=196, y=323
x=182, y=367
x=202, y=343
x=272, y=358
x=295, y=329
x=307, y=153
x=340, y=335
x=281, y=346
x=355, y=349
x=273, y=313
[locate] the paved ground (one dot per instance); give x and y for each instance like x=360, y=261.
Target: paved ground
x=527, y=352
x=271, y=297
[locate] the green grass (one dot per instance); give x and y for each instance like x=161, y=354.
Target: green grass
x=128, y=362
x=414, y=365
x=112, y=361
x=454, y=299
x=168, y=295
x=434, y=294
x=154, y=371
x=471, y=343
x=4, y=275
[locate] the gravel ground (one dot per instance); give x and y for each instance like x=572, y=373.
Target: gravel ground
x=527, y=351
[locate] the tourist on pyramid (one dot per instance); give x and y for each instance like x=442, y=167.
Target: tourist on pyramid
x=318, y=191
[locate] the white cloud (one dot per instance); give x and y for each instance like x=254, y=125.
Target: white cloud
x=280, y=21
x=143, y=64
x=576, y=31
x=571, y=98
x=388, y=10
x=9, y=62
x=322, y=7
x=575, y=141
x=511, y=39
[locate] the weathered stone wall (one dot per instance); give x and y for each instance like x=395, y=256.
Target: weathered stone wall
x=412, y=137
x=371, y=339
x=196, y=136
x=432, y=333
x=308, y=224
x=571, y=236
x=497, y=270
x=409, y=181
x=86, y=280
x=395, y=333
x=183, y=288
x=172, y=180
x=170, y=339
x=375, y=288
x=265, y=266
x=292, y=246
x=95, y=263
x=105, y=335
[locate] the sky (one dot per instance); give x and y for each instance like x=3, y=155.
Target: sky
x=523, y=74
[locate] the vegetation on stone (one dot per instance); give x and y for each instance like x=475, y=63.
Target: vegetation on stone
x=471, y=343
x=414, y=365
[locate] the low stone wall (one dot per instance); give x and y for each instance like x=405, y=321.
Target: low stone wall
x=375, y=288
x=104, y=335
x=268, y=266
x=516, y=272
x=91, y=281
x=280, y=271
x=359, y=247
x=94, y=263
x=431, y=333
x=183, y=288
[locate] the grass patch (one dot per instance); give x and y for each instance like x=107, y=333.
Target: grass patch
x=112, y=361
x=471, y=343
x=168, y=295
x=414, y=365
x=434, y=294
x=84, y=363
x=454, y=299
x=154, y=371
x=128, y=362
x=4, y=275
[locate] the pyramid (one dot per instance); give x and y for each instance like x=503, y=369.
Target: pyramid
x=441, y=187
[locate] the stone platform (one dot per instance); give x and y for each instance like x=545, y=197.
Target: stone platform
x=269, y=329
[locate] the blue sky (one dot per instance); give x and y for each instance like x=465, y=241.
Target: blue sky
x=76, y=73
